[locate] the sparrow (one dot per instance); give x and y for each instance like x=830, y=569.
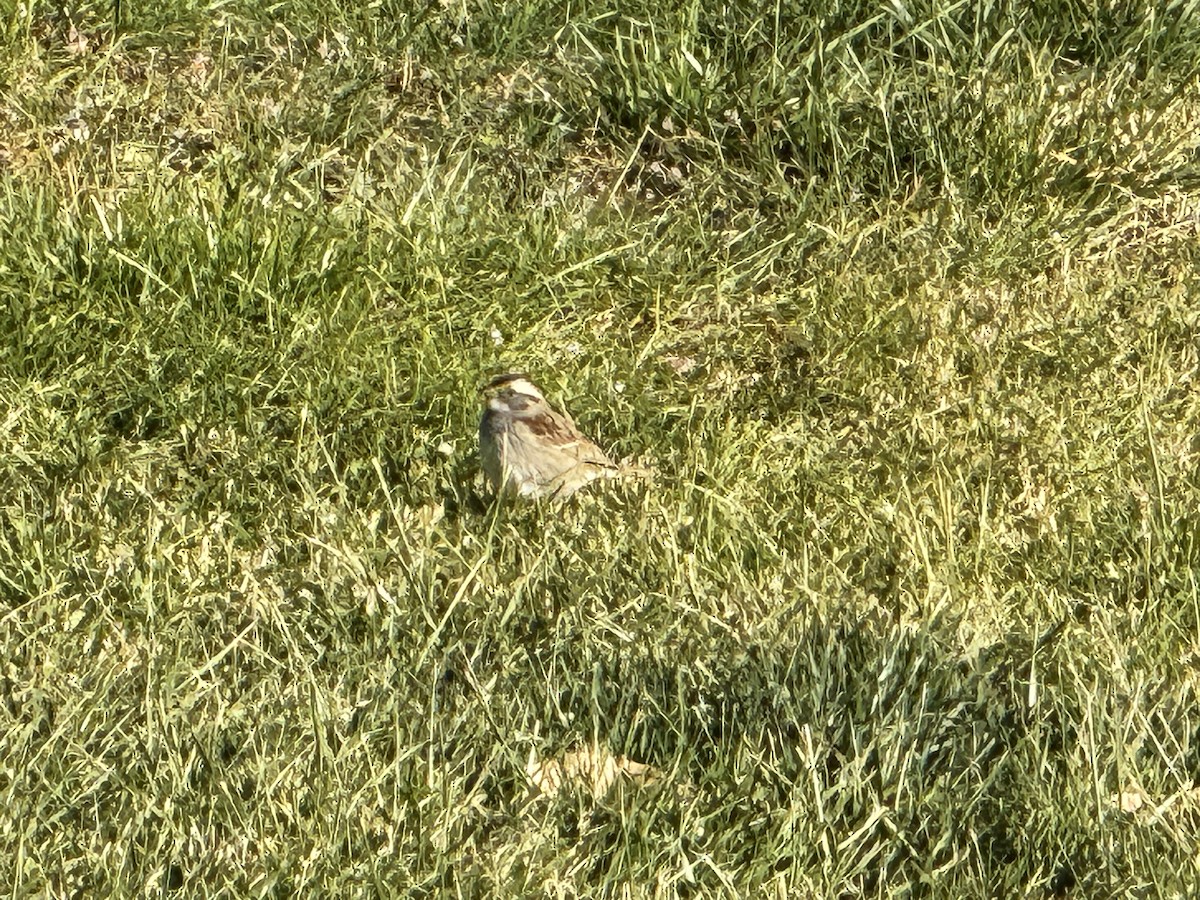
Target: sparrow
x=530, y=449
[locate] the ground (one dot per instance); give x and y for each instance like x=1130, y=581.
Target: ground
x=899, y=302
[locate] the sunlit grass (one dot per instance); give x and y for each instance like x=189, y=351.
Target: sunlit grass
x=899, y=304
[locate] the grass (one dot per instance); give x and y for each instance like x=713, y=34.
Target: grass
x=900, y=302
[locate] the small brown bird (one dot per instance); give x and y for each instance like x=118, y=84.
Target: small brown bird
x=530, y=449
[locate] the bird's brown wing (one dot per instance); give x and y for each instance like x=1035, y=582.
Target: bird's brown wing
x=559, y=434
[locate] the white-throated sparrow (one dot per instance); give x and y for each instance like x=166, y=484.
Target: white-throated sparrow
x=529, y=449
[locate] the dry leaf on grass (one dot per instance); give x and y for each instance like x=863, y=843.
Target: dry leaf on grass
x=1138, y=803
x=590, y=766
x=77, y=42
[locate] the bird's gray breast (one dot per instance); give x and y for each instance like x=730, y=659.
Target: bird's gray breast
x=492, y=423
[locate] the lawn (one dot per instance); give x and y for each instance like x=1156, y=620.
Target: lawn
x=899, y=302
